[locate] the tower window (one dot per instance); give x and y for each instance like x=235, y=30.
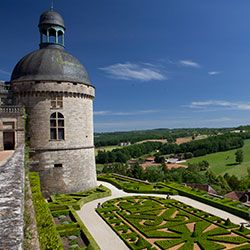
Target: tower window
x=57, y=126
x=56, y=102
x=58, y=165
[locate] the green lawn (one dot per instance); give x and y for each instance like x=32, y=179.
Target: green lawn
x=224, y=162
x=106, y=148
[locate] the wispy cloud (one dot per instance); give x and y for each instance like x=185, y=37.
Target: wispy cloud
x=189, y=63
x=135, y=71
x=5, y=72
x=213, y=73
x=103, y=112
x=124, y=113
x=219, y=104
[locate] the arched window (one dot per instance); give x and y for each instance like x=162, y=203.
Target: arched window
x=57, y=126
x=60, y=37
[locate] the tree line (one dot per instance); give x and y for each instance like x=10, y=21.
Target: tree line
x=124, y=154
x=115, y=138
x=202, y=147
x=198, y=173
x=188, y=150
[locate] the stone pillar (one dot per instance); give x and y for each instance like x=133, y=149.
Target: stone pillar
x=1, y=141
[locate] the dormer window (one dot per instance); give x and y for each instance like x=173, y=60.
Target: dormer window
x=56, y=102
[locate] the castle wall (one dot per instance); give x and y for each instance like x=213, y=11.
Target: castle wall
x=12, y=201
x=12, y=120
x=76, y=152
x=76, y=173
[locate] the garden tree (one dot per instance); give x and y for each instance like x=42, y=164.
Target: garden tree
x=121, y=157
x=211, y=176
x=135, y=171
x=117, y=168
x=159, y=159
x=223, y=184
x=204, y=165
x=232, y=181
x=154, y=174
x=199, y=166
x=245, y=181
x=102, y=157
x=188, y=155
x=239, y=156
x=193, y=177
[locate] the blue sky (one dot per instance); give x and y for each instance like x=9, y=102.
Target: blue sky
x=154, y=63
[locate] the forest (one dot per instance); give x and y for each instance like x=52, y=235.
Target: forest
x=188, y=150
x=114, y=138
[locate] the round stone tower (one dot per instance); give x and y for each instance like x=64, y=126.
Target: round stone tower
x=58, y=96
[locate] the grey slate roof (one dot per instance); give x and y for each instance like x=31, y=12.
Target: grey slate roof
x=50, y=64
x=51, y=17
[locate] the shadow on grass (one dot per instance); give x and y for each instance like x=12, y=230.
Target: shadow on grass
x=232, y=164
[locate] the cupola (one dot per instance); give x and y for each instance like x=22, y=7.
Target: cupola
x=52, y=29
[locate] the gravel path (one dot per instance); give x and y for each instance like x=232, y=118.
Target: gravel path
x=107, y=239
x=5, y=156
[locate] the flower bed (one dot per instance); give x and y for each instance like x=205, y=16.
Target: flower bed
x=151, y=223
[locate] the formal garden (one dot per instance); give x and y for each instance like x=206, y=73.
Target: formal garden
x=58, y=225
x=144, y=222
x=131, y=185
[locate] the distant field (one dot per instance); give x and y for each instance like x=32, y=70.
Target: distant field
x=188, y=139
x=106, y=148
x=153, y=140
x=224, y=162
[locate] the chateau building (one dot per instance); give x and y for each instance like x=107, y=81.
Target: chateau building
x=55, y=90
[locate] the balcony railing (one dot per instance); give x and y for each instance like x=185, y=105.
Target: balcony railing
x=11, y=109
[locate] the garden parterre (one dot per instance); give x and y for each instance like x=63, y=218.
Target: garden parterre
x=157, y=223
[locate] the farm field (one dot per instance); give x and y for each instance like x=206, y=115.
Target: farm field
x=157, y=223
x=224, y=162
x=106, y=148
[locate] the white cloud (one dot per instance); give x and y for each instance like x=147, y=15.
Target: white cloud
x=131, y=71
x=5, y=72
x=190, y=63
x=220, y=104
x=104, y=112
x=213, y=73
x=123, y=113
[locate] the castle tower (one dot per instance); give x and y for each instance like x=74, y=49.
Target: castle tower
x=58, y=96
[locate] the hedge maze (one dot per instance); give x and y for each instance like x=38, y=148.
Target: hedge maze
x=145, y=222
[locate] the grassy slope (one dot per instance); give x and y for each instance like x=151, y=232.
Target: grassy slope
x=106, y=148
x=224, y=162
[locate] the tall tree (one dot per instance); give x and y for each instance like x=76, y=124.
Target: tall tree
x=239, y=156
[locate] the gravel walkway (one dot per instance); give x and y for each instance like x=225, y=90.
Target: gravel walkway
x=107, y=239
x=5, y=156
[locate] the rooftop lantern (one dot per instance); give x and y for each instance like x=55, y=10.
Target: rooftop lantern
x=52, y=29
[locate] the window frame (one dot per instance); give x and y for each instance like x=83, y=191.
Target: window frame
x=56, y=102
x=57, y=127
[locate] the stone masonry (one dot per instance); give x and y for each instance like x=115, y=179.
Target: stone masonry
x=12, y=201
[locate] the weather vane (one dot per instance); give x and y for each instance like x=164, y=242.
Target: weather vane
x=52, y=5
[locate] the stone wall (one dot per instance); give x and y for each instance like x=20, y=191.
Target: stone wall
x=15, y=115
x=67, y=164
x=12, y=201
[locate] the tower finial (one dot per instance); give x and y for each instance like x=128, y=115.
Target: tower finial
x=52, y=5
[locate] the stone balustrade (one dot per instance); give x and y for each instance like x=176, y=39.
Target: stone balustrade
x=11, y=109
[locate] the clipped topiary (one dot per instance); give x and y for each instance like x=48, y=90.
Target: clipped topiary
x=228, y=222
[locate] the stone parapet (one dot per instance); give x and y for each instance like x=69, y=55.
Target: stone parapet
x=11, y=110
x=53, y=88
x=12, y=201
